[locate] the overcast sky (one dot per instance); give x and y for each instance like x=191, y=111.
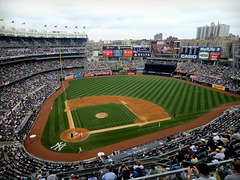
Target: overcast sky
x=122, y=19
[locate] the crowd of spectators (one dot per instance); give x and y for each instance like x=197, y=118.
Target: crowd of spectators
x=19, y=98
x=31, y=41
x=213, y=74
x=115, y=64
x=16, y=163
x=33, y=51
x=23, y=46
x=15, y=71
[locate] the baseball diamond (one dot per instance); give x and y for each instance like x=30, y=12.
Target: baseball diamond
x=190, y=103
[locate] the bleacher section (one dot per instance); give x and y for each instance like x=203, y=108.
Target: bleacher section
x=225, y=76
x=14, y=48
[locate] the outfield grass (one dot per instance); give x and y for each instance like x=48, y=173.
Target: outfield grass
x=186, y=100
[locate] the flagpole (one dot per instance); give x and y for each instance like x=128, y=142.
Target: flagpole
x=61, y=63
x=13, y=24
x=2, y=20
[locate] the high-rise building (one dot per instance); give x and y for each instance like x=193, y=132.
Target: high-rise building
x=212, y=31
x=158, y=36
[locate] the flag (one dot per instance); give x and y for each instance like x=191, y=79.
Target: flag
x=76, y=27
x=12, y=21
x=23, y=23
x=45, y=25
x=55, y=26
x=1, y=19
x=65, y=26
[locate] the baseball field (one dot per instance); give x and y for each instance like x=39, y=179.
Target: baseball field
x=96, y=112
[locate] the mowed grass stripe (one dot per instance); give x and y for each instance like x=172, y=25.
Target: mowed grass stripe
x=176, y=98
x=216, y=97
x=189, y=100
x=199, y=99
x=224, y=98
x=193, y=106
x=182, y=99
x=205, y=96
x=172, y=97
x=161, y=95
x=152, y=94
x=117, y=86
x=143, y=88
x=114, y=86
x=220, y=98
x=137, y=88
x=108, y=87
x=212, y=99
x=165, y=94
x=131, y=88
x=126, y=84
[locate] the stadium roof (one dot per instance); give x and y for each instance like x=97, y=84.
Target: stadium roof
x=22, y=32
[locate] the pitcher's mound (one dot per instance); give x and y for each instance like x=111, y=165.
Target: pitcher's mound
x=74, y=134
x=101, y=115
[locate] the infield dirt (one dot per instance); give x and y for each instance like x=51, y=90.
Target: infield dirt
x=146, y=112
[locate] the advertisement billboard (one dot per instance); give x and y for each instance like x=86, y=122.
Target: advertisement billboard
x=210, y=53
x=127, y=53
x=79, y=76
x=203, y=55
x=107, y=53
x=218, y=87
x=69, y=77
x=208, y=49
x=141, y=51
x=88, y=75
x=141, y=54
x=189, y=52
x=124, y=47
x=117, y=53
x=162, y=48
x=109, y=47
x=116, y=47
x=214, y=56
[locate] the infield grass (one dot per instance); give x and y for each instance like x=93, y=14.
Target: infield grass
x=186, y=100
x=84, y=117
